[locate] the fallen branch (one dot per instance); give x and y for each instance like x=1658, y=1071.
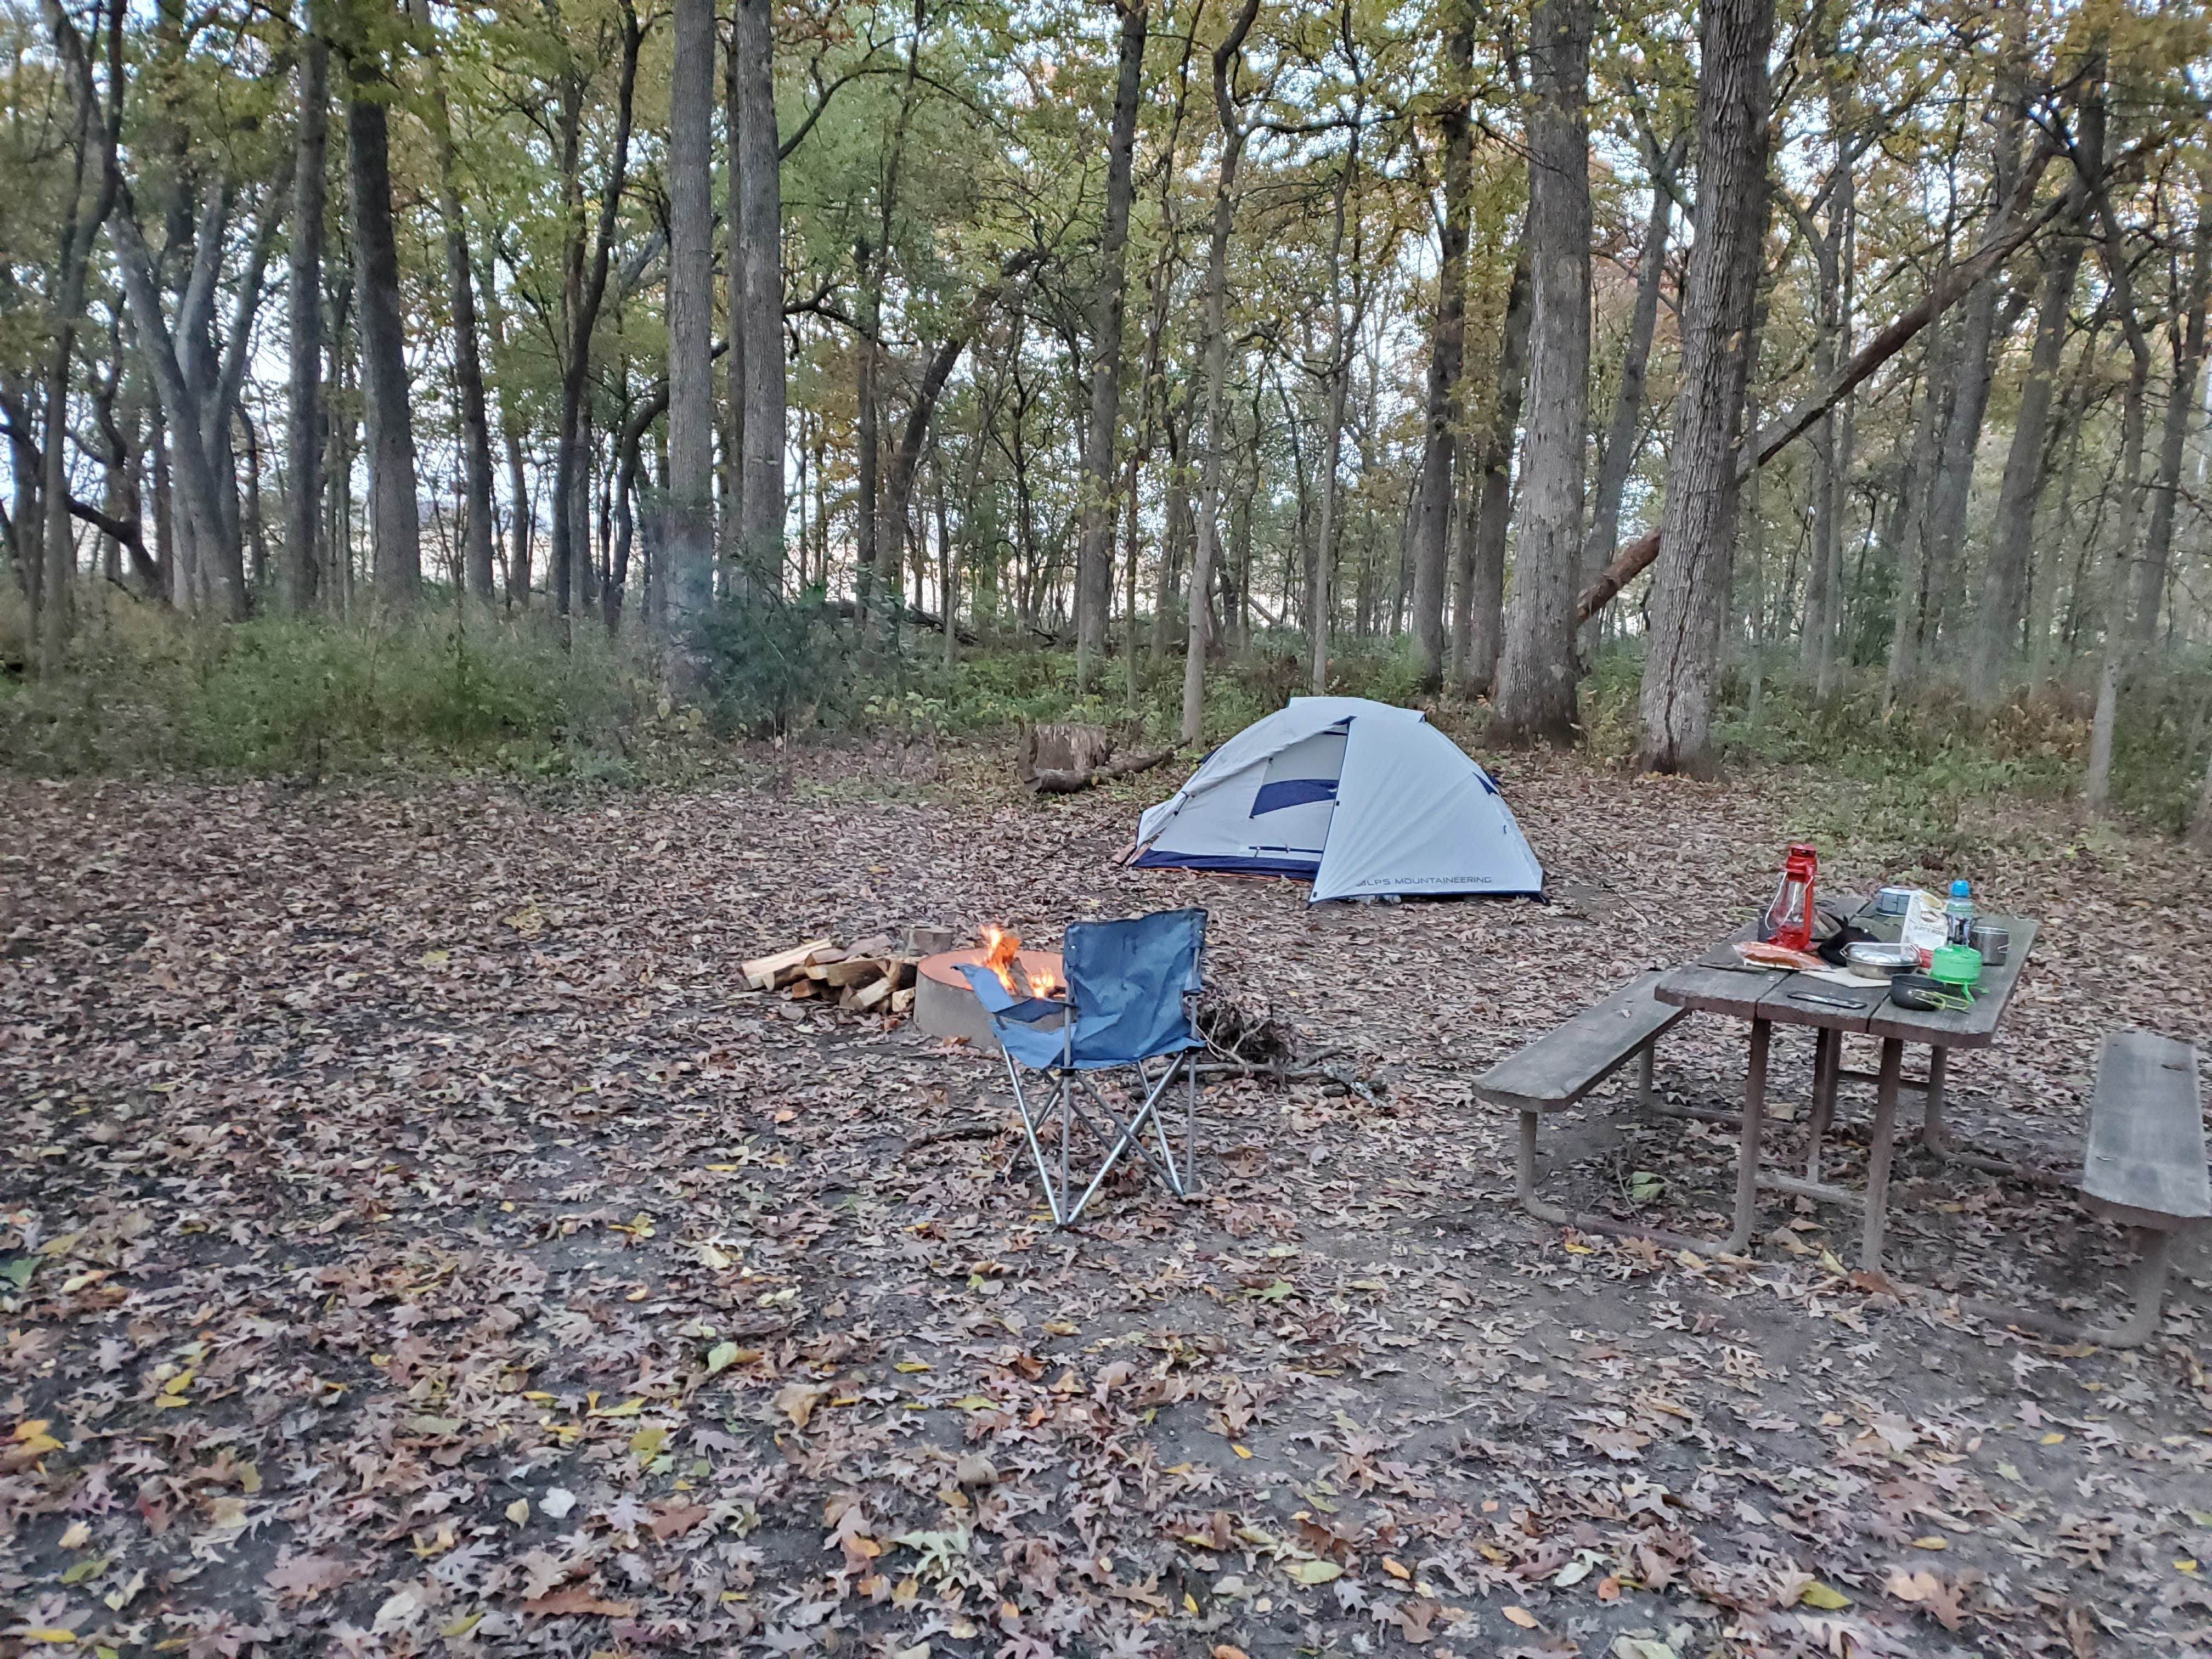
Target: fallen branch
x=1282, y=1073
x=2011, y=233
x=1063, y=782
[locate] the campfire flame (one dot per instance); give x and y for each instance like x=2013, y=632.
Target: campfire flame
x=1000, y=956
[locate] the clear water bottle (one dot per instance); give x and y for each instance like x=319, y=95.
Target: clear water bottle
x=1958, y=915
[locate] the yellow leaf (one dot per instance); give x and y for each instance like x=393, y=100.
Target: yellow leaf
x=1574, y=1248
x=537, y=1394
x=1189, y=1602
x=33, y=1437
x=974, y=1402
x=1242, y=1451
x=47, y=1633
x=1818, y=1595
x=1933, y=1541
x=1396, y=1569
x=713, y=1256
x=519, y=1510
x=2052, y=1439
x=2185, y=1566
x=627, y=1408
x=911, y=1365
x=647, y=1443
x=1313, y=1572
x=1521, y=1616
x=77, y=1536
x=462, y=1627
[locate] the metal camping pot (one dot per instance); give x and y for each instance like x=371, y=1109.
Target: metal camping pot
x=1993, y=942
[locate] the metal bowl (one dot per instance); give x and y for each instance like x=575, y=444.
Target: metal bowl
x=1872, y=959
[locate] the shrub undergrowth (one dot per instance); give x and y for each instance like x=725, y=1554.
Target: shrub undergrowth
x=465, y=686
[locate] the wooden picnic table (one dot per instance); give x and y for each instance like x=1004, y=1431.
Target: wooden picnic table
x=1720, y=982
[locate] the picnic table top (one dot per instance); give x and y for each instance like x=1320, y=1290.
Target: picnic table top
x=1720, y=982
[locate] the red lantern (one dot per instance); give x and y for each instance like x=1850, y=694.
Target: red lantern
x=1789, y=916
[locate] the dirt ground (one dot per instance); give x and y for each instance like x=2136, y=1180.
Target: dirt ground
x=413, y=1241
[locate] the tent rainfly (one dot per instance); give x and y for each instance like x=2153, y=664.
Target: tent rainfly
x=1360, y=798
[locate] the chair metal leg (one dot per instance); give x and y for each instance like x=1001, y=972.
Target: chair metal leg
x=1190, y=1122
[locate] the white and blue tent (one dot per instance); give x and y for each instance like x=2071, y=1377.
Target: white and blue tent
x=1359, y=798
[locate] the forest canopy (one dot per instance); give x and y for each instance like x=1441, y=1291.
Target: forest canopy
x=1825, y=347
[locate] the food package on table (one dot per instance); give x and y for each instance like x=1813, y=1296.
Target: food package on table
x=1761, y=954
x=1925, y=926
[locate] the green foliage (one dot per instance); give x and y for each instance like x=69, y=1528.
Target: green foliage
x=769, y=665
x=149, y=692
x=1927, y=775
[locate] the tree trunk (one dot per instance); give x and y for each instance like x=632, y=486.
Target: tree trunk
x=53, y=594
x=2123, y=632
x=395, y=530
x=1916, y=488
x=760, y=231
x=583, y=289
x=1690, y=592
x=1343, y=335
x=470, y=404
x=1094, y=557
x=1228, y=62
x=1494, y=509
x=301, y=572
x=1617, y=458
x=729, y=539
x=2187, y=333
x=688, y=539
x=1430, y=529
x=1176, y=531
x=1537, y=678
x=2012, y=539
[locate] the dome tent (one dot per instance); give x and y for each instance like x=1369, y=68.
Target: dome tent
x=1360, y=798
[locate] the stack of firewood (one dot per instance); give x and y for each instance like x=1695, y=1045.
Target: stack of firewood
x=871, y=975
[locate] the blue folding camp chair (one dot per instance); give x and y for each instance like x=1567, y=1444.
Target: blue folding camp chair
x=1128, y=985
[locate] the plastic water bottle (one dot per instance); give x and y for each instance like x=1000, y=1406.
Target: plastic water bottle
x=1958, y=915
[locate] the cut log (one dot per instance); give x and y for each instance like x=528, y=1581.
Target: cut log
x=760, y=972
x=903, y=1001
x=871, y=995
x=1059, y=782
x=926, y=938
x=876, y=945
x=854, y=970
x=1067, y=747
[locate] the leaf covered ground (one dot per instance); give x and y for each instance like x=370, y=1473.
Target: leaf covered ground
x=413, y=1241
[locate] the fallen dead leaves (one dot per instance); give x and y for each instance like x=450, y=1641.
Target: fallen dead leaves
x=414, y=1237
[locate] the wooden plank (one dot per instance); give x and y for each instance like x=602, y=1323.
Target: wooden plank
x=1787, y=1003
x=1732, y=990
x=1570, y=1059
x=1976, y=1027
x=2146, y=1148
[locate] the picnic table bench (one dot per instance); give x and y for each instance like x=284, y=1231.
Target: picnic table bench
x=1565, y=1064
x=2144, y=1165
